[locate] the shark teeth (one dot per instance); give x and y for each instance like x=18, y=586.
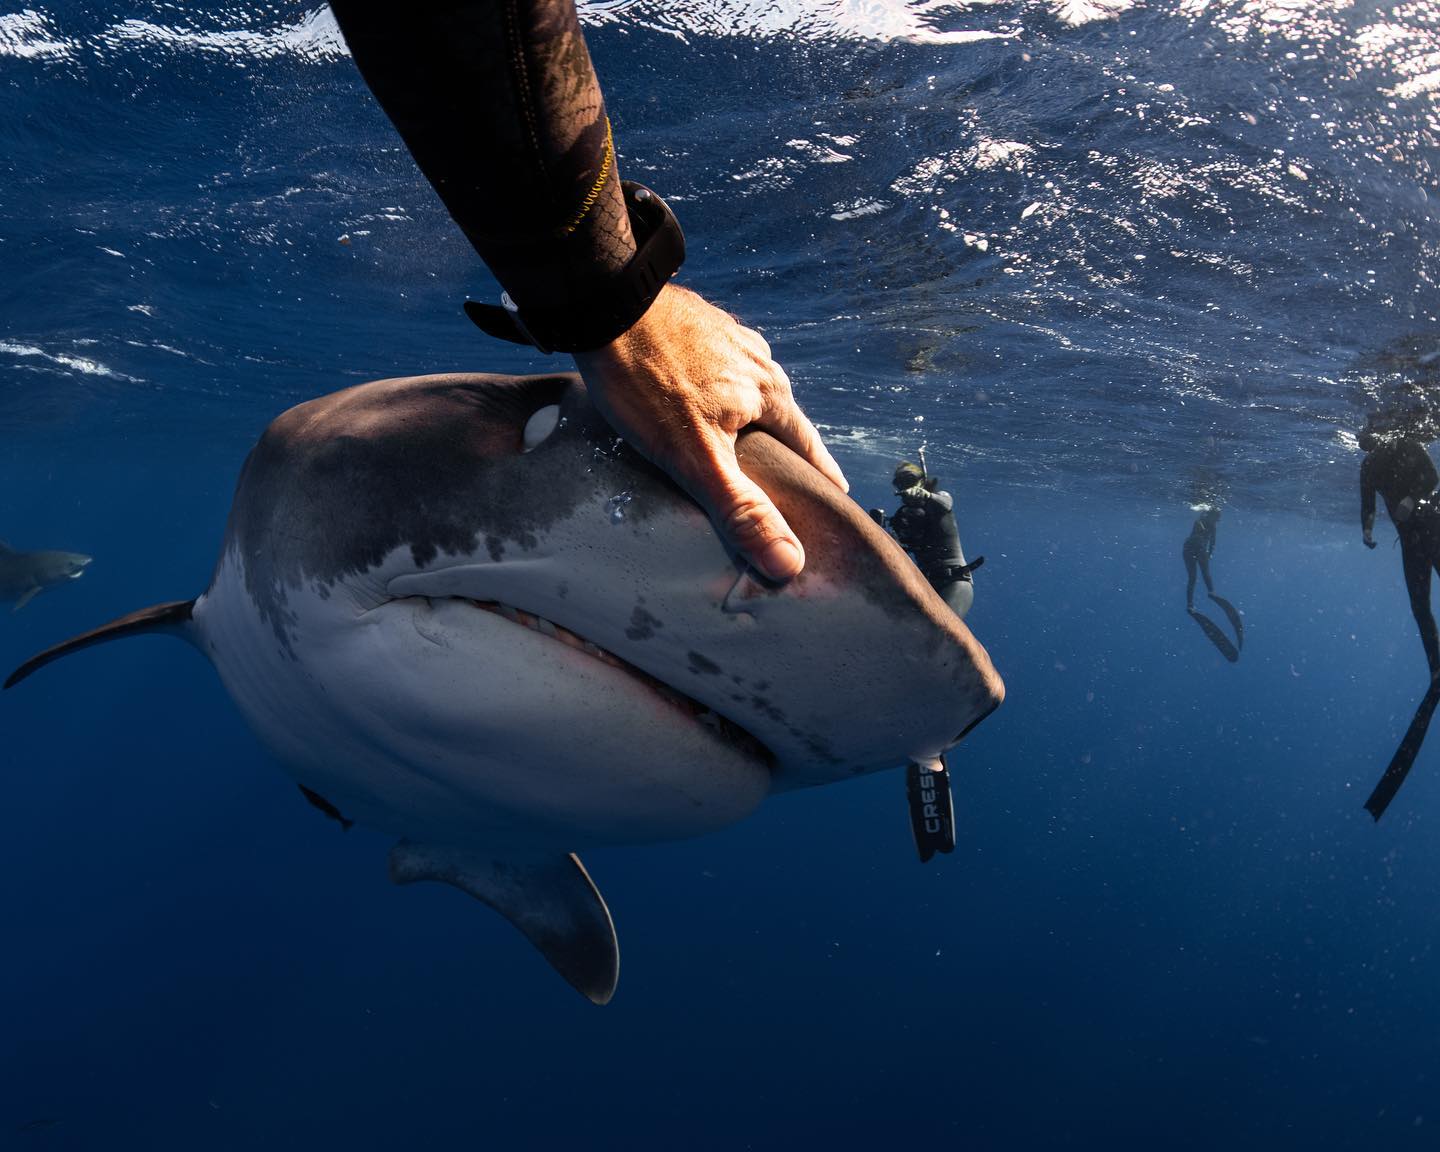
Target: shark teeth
x=708, y=717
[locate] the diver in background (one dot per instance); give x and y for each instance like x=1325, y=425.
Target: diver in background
x=924, y=524
x=1398, y=467
x=1198, y=548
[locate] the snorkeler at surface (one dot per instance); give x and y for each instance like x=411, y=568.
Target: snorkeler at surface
x=1199, y=546
x=924, y=524
x=501, y=109
x=1398, y=467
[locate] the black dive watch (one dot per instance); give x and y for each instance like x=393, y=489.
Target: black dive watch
x=604, y=307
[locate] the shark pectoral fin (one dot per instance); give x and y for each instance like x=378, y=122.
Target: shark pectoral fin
x=173, y=617
x=25, y=599
x=553, y=902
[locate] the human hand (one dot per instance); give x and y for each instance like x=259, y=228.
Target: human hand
x=914, y=495
x=1369, y=543
x=679, y=386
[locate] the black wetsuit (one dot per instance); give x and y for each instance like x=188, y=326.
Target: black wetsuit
x=1401, y=470
x=1196, y=551
x=925, y=527
x=499, y=105
x=924, y=524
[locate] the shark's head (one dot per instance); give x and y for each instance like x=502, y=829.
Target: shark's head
x=512, y=496
x=57, y=567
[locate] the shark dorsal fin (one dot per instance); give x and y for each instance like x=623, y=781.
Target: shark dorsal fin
x=552, y=901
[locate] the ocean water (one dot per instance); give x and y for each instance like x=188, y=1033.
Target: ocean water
x=1104, y=261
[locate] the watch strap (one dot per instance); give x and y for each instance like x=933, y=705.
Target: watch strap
x=606, y=306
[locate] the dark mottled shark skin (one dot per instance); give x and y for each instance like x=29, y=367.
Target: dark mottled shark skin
x=455, y=441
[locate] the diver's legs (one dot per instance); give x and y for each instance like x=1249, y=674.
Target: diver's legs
x=1418, y=562
x=1205, y=572
x=1189, y=554
x=959, y=594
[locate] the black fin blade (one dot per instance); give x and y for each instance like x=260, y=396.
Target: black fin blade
x=932, y=809
x=1237, y=621
x=168, y=617
x=1404, y=756
x=1215, y=635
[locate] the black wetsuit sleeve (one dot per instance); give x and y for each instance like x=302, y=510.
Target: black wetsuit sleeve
x=499, y=104
x=1367, y=491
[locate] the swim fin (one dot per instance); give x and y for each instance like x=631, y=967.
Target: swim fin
x=932, y=808
x=1216, y=636
x=1404, y=755
x=1237, y=622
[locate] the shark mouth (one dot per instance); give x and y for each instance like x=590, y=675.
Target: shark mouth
x=702, y=714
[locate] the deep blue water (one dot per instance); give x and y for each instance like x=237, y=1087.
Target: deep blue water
x=1116, y=264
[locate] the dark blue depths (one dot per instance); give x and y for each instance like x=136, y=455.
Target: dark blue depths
x=1169, y=919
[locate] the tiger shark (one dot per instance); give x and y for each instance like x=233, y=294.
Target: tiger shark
x=460, y=610
x=24, y=575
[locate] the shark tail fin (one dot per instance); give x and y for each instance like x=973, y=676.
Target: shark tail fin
x=172, y=617
x=552, y=901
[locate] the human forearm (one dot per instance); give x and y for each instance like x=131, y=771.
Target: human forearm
x=499, y=104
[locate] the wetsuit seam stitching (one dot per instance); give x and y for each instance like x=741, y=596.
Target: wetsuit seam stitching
x=606, y=162
x=519, y=67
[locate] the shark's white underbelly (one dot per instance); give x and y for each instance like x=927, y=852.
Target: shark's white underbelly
x=442, y=722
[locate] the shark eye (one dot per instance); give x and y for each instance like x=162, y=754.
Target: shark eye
x=541, y=423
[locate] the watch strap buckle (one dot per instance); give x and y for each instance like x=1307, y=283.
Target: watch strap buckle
x=502, y=321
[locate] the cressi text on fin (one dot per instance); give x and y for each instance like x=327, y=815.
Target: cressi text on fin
x=932, y=808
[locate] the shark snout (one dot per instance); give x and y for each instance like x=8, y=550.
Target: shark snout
x=78, y=564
